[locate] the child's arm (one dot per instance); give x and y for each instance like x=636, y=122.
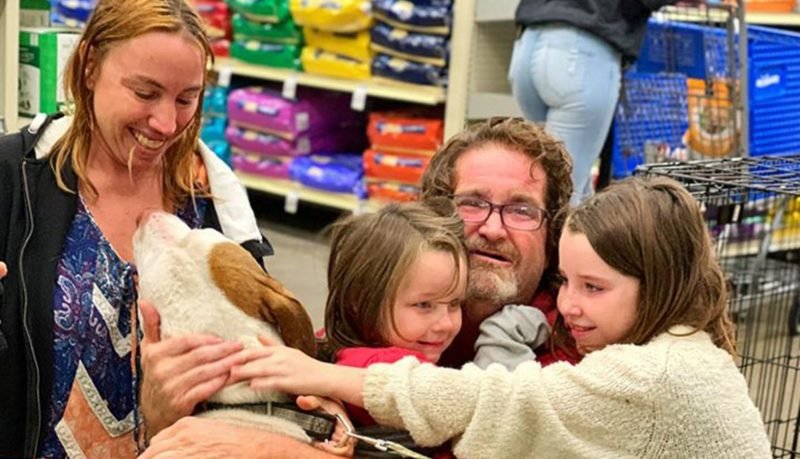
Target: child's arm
x=510, y=335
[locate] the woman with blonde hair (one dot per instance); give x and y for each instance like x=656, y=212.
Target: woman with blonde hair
x=71, y=191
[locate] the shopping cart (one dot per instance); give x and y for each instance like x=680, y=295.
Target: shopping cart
x=752, y=208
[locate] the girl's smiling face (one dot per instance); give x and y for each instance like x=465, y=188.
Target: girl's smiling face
x=598, y=303
x=426, y=314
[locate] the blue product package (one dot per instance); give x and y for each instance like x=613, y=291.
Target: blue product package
x=431, y=16
x=215, y=101
x=340, y=173
x=429, y=48
x=72, y=11
x=408, y=71
x=213, y=129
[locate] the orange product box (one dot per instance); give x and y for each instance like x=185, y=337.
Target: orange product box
x=393, y=166
x=398, y=131
x=388, y=190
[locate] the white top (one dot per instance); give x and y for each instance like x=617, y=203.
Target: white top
x=677, y=396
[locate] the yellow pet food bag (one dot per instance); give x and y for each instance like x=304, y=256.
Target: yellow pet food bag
x=355, y=44
x=332, y=15
x=322, y=62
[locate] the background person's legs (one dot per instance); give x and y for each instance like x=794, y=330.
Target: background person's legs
x=570, y=79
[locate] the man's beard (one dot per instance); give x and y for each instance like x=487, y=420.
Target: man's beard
x=489, y=282
x=494, y=284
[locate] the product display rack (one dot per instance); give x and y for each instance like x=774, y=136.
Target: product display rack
x=482, y=40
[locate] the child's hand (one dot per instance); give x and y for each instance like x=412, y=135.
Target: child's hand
x=280, y=368
x=339, y=443
x=283, y=369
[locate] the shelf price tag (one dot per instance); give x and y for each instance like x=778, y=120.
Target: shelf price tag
x=359, y=100
x=290, y=87
x=224, y=76
x=292, y=201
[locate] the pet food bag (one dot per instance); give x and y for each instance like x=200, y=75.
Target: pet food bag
x=216, y=17
x=404, y=132
x=262, y=10
x=269, y=144
x=72, y=13
x=354, y=45
x=321, y=62
x=261, y=165
x=268, y=54
x=423, y=16
x=285, y=32
x=332, y=15
x=407, y=71
x=399, y=167
x=420, y=47
x=314, y=111
x=340, y=173
x=388, y=190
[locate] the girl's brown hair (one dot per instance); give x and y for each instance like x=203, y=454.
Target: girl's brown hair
x=371, y=253
x=112, y=22
x=653, y=230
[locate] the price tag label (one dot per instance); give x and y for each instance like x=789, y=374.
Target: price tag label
x=359, y=100
x=292, y=201
x=224, y=76
x=290, y=87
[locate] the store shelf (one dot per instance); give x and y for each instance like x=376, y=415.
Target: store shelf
x=482, y=105
x=375, y=87
x=782, y=241
x=23, y=121
x=283, y=187
x=9, y=61
x=503, y=10
x=495, y=10
x=779, y=19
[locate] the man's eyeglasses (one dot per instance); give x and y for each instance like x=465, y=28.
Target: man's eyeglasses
x=519, y=216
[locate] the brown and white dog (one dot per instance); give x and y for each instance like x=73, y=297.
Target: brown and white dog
x=202, y=282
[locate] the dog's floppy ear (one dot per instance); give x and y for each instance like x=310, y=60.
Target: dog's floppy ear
x=289, y=315
x=247, y=286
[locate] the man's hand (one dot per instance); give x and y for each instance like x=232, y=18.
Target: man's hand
x=340, y=444
x=201, y=438
x=178, y=373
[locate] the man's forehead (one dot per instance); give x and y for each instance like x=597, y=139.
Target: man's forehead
x=497, y=169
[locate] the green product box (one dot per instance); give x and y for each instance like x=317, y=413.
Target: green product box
x=34, y=13
x=43, y=54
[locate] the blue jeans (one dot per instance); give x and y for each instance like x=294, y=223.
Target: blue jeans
x=569, y=79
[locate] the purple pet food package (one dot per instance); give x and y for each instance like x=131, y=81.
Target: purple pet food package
x=262, y=109
x=261, y=165
x=269, y=144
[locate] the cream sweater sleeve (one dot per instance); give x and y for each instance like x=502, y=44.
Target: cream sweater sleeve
x=602, y=407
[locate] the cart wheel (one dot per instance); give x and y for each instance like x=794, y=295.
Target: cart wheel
x=794, y=318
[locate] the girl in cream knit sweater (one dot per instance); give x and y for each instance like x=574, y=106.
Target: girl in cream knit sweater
x=643, y=297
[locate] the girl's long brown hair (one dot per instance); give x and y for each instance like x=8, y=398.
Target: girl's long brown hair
x=112, y=22
x=653, y=230
x=370, y=254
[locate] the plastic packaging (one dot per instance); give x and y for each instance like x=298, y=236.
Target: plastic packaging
x=317, y=61
x=283, y=32
x=424, y=16
x=408, y=71
x=404, y=132
x=427, y=48
x=403, y=168
x=341, y=173
x=268, y=54
x=332, y=15
x=354, y=45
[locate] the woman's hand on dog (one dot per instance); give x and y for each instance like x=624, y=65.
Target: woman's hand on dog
x=178, y=373
x=284, y=369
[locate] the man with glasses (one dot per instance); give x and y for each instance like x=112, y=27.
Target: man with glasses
x=509, y=179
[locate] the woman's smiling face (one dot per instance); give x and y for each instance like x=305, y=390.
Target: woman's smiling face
x=146, y=92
